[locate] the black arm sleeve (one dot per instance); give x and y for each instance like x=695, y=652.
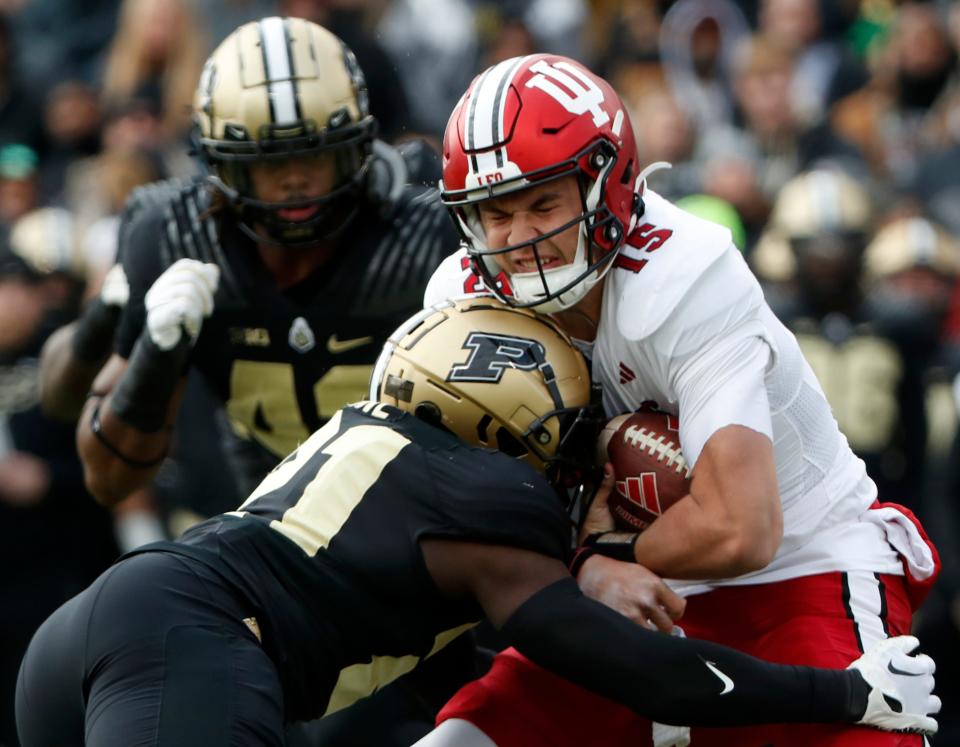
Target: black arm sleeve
x=668, y=679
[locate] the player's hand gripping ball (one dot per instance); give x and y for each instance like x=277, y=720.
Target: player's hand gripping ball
x=650, y=471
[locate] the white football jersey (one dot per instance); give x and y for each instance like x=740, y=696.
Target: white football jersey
x=685, y=325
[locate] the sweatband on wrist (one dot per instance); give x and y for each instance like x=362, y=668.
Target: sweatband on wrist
x=97, y=429
x=93, y=335
x=142, y=396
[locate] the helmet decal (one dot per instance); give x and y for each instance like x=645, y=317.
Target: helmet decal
x=491, y=354
x=579, y=95
x=522, y=386
x=284, y=102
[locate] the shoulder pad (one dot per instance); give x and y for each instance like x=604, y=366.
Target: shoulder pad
x=170, y=217
x=154, y=193
x=666, y=254
x=423, y=162
x=189, y=231
x=416, y=238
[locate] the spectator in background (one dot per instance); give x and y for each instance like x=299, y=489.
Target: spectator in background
x=158, y=42
x=54, y=539
x=718, y=211
x=62, y=37
x=747, y=164
x=134, y=151
x=435, y=48
x=904, y=112
x=506, y=36
x=19, y=183
x=697, y=45
x=118, y=173
x=20, y=106
x=665, y=133
x=824, y=69
x=72, y=126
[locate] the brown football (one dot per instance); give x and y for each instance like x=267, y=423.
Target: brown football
x=651, y=473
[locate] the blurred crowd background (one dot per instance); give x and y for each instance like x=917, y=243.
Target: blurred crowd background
x=824, y=133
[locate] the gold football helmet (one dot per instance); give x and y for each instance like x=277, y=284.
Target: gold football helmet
x=909, y=243
x=497, y=377
x=282, y=88
x=45, y=241
x=818, y=212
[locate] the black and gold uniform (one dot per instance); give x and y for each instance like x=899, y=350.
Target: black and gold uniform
x=313, y=594
x=283, y=361
x=378, y=542
x=317, y=592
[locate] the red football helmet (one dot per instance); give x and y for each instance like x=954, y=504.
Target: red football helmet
x=526, y=121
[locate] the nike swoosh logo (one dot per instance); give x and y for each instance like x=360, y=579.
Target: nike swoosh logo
x=892, y=669
x=342, y=346
x=727, y=682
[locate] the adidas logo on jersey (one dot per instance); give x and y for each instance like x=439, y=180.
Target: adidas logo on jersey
x=626, y=374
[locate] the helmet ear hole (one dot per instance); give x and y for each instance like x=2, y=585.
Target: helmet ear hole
x=510, y=444
x=428, y=412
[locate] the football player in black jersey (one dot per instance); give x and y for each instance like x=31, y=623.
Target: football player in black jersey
x=297, y=255
x=382, y=538
x=304, y=247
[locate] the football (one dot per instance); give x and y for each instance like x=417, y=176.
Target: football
x=651, y=473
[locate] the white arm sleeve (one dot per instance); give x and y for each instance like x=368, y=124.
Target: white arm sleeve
x=717, y=350
x=721, y=386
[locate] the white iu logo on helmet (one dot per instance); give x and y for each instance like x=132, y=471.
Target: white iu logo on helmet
x=581, y=95
x=491, y=355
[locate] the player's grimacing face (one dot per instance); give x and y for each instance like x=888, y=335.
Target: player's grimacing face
x=297, y=178
x=529, y=213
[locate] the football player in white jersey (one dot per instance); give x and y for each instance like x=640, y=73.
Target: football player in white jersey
x=780, y=549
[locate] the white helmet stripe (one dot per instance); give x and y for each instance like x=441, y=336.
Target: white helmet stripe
x=825, y=194
x=488, y=103
x=278, y=65
x=485, y=163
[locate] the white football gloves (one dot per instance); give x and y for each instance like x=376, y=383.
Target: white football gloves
x=179, y=300
x=115, y=290
x=901, y=686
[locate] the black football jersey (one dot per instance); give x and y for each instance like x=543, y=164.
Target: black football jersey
x=283, y=361
x=326, y=550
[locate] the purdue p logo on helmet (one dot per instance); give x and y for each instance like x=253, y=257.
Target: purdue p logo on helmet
x=284, y=88
x=496, y=376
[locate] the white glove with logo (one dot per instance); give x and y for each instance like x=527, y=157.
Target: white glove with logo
x=179, y=300
x=901, y=686
x=115, y=290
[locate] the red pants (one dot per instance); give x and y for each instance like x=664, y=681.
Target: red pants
x=825, y=620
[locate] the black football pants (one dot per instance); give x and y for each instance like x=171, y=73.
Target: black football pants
x=153, y=653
